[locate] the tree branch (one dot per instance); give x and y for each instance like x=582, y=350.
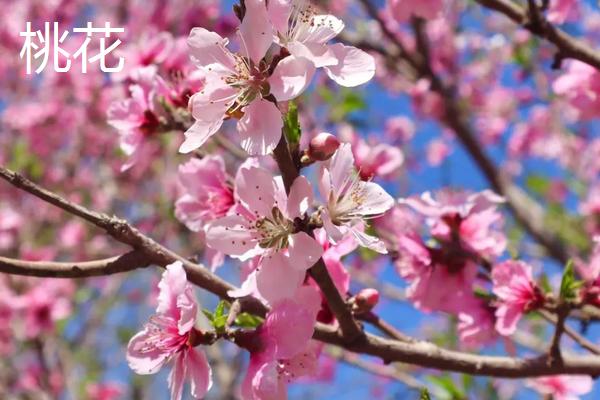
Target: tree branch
x=418, y=353
x=567, y=45
x=49, y=269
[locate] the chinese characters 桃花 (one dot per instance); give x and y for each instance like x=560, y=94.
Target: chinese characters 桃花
x=37, y=47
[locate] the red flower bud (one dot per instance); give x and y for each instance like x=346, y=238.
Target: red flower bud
x=365, y=300
x=323, y=146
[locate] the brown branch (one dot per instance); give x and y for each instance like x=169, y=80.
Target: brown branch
x=429, y=355
x=567, y=45
x=385, y=327
x=350, y=328
x=419, y=353
x=572, y=333
x=374, y=368
x=49, y=269
x=120, y=230
x=525, y=209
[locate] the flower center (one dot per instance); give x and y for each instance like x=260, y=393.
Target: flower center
x=347, y=206
x=274, y=230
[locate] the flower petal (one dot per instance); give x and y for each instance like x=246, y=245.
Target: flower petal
x=177, y=376
x=291, y=77
x=256, y=189
x=260, y=127
x=304, y=250
x=277, y=279
x=321, y=55
x=143, y=360
x=198, y=134
x=256, y=30
x=354, y=66
x=209, y=48
x=199, y=373
x=230, y=235
x=300, y=198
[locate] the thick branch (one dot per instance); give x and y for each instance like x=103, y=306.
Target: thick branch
x=48, y=269
x=125, y=233
x=568, y=46
x=525, y=209
x=429, y=355
x=418, y=353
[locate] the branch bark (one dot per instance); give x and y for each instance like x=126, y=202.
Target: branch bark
x=567, y=45
x=419, y=353
x=49, y=269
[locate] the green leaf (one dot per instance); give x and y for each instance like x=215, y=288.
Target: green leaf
x=538, y=184
x=446, y=383
x=568, y=284
x=424, y=395
x=220, y=310
x=246, y=320
x=291, y=125
x=208, y=314
x=545, y=283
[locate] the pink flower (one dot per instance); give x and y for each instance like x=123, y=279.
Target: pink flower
x=323, y=146
x=562, y=387
x=283, y=354
x=438, y=281
x=402, y=10
x=45, y=303
x=305, y=34
x=264, y=226
x=580, y=86
x=10, y=222
x=476, y=324
x=137, y=117
x=350, y=201
x=400, y=129
x=207, y=194
x=169, y=336
x=104, y=391
x=561, y=11
x=469, y=217
x=237, y=84
x=373, y=159
x=437, y=151
x=517, y=293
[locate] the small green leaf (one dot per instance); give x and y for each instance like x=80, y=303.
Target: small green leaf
x=568, y=284
x=246, y=320
x=545, y=283
x=291, y=125
x=220, y=310
x=208, y=314
x=424, y=395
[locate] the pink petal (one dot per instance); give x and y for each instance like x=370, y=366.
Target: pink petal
x=260, y=127
x=354, y=67
x=145, y=361
x=256, y=30
x=279, y=13
x=289, y=342
x=209, y=48
x=276, y=279
x=291, y=77
x=255, y=187
x=177, y=376
x=199, y=373
x=198, y=134
x=304, y=250
x=230, y=235
x=172, y=284
x=300, y=198
x=321, y=55
x=341, y=165
x=324, y=28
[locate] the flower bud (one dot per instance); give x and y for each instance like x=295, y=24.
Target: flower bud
x=365, y=300
x=323, y=146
